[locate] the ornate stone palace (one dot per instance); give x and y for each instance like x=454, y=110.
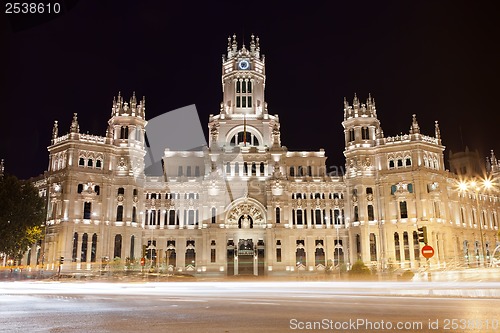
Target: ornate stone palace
x=247, y=205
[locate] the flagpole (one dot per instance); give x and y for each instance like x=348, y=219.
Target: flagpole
x=244, y=130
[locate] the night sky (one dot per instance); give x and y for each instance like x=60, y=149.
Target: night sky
x=440, y=61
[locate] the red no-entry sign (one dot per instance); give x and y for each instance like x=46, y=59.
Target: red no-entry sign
x=427, y=251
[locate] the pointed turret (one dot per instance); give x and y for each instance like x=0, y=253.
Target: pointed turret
x=75, y=128
x=234, y=44
x=437, y=132
x=414, y=128
x=494, y=163
x=55, y=130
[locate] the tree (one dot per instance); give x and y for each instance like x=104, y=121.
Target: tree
x=21, y=216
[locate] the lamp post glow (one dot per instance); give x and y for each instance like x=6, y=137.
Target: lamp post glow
x=474, y=185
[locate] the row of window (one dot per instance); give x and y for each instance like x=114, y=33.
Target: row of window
x=245, y=138
x=89, y=163
x=186, y=196
x=365, y=134
x=400, y=163
x=188, y=171
x=406, y=246
x=318, y=216
x=248, y=169
x=484, y=218
x=317, y=195
x=243, y=101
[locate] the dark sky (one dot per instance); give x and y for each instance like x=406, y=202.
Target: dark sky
x=440, y=60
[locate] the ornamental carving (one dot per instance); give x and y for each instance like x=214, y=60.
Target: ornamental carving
x=340, y=203
x=369, y=197
x=245, y=215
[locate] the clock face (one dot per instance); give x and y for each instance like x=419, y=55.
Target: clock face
x=243, y=64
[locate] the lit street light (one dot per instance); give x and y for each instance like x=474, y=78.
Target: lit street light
x=475, y=186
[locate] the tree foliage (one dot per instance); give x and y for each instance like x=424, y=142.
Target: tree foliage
x=21, y=216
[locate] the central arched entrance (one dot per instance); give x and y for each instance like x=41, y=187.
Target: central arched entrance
x=245, y=247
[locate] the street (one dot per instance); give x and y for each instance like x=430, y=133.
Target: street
x=247, y=307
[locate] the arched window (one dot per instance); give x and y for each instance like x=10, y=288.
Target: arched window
x=134, y=214
x=121, y=191
x=356, y=214
x=373, y=247
x=300, y=257
x=403, y=209
x=132, y=247
x=98, y=164
x=300, y=171
x=80, y=188
x=75, y=247
x=391, y=164
x=365, y=133
x=400, y=163
x=278, y=215
x=119, y=213
x=117, y=253
x=81, y=161
x=397, y=246
x=371, y=215
x=351, y=135
x=262, y=169
x=97, y=189
x=408, y=161
x=292, y=171
x=406, y=245
x=87, y=208
x=90, y=163
x=93, y=248
x=83, y=253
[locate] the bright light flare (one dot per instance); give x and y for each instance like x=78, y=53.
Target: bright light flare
x=462, y=186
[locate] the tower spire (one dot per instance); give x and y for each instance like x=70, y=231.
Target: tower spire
x=55, y=130
x=414, y=128
x=75, y=128
x=437, y=131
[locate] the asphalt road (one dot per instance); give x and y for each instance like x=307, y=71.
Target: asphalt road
x=244, y=307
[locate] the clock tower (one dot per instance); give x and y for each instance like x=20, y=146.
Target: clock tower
x=243, y=79
x=243, y=119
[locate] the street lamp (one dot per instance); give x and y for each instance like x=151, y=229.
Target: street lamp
x=475, y=186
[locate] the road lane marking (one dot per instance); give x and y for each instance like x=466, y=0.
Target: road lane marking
x=259, y=303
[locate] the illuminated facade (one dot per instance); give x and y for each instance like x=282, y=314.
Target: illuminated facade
x=246, y=205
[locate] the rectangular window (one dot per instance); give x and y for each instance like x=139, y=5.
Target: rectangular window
x=278, y=255
x=371, y=215
x=403, y=209
x=243, y=102
x=278, y=215
x=87, y=207
x=437, y=210
x=249, y=101
x=238, y=101
x=212, y=255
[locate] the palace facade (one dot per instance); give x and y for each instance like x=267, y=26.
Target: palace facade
x=245, y=204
